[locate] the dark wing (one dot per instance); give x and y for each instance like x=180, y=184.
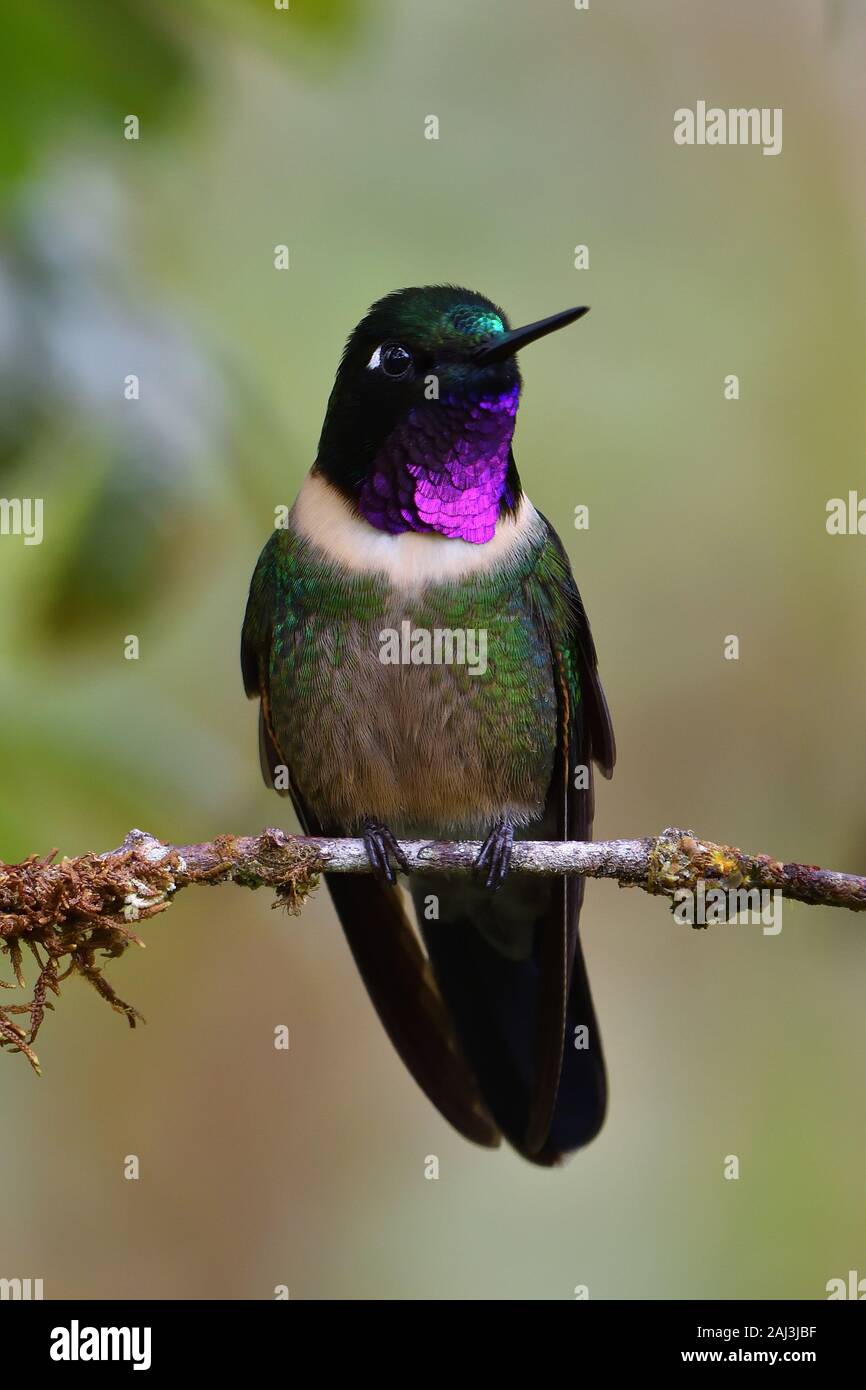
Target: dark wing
x=386, y=950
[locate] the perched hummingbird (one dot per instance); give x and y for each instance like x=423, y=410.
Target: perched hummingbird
x=413, y=521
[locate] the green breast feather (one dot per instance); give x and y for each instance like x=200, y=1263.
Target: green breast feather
x=348, y=727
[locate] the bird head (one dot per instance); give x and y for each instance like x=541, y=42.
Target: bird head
x=419, y=423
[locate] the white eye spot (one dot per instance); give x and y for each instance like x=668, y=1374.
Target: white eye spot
x=376, y=359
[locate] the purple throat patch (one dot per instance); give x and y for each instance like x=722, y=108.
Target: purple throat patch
x=444, y=469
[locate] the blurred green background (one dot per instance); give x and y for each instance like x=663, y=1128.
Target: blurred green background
x=306, y=127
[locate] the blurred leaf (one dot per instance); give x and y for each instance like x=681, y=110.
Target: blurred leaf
x=123, y=477
x=117, y=559
x=92, y=756
x=329, y=20
x=91, y=61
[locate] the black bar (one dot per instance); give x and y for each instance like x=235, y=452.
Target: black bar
x=236, y=1338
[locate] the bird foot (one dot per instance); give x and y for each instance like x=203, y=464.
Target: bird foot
x=495, y=855
x=382, y=847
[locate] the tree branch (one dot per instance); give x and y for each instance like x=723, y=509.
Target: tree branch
x=68, y=912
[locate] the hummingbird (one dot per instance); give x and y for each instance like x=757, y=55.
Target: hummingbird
x=413, y=522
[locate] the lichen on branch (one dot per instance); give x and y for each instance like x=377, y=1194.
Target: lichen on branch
x=71, y=915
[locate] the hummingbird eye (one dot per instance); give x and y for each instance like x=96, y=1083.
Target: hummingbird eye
x=394, y=360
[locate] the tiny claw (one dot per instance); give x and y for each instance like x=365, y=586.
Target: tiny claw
x=495, y=855
x=382, y=847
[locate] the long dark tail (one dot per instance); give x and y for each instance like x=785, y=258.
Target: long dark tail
x=496, y=963
x=400, y=984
